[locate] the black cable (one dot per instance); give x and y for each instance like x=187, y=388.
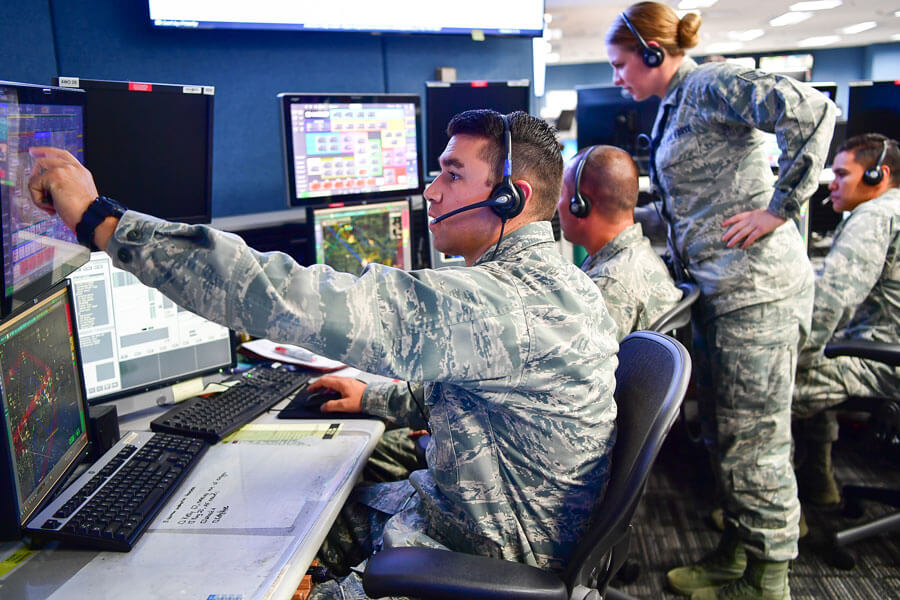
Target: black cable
x=500, y=239
x=420, y=407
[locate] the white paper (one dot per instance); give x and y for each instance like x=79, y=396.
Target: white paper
x=294, y=355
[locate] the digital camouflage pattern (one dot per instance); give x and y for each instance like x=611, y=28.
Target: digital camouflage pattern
x=633, y=279
x=857, y=297
x=519, y=360
x=756, y=303
x=711, y=165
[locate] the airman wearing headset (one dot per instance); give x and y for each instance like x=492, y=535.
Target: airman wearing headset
x=857, y=297
x=518, y=362
x=731, y=230
x=596, y=211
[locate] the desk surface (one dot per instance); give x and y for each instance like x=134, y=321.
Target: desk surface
x=266, y=559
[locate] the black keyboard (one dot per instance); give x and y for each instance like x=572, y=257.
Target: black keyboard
x=212, y=418
x=111, y=505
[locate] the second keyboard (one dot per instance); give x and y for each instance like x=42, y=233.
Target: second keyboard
x=213, y=417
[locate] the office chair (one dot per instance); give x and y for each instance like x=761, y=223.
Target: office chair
x=679, y=315
x=884, y=425
x=651, y=381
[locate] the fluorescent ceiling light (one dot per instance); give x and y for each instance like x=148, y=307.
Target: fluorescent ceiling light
x=723, y=47
x=790, y=18
x=695, y=4
x=822, y=40
x=746, y=36
x=859, y=27
x=815, y=5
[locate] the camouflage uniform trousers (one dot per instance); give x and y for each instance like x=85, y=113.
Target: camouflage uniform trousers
x=395, y=456
x=827, y=382
x=745, y=366
x=375, y=516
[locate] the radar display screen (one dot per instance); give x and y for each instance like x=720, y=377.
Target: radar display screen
x=348, y=238
x=43, y=407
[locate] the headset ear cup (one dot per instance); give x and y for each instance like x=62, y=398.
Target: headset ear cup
x=579, y=206
x=653, y=56
x=507, y=200
x=872, y=176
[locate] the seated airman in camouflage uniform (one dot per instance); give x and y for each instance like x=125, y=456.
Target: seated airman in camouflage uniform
x=596, y=211
x=516, y=349
x=857, y=296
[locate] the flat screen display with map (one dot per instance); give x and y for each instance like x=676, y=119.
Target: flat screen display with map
x=44, y=426
x=347, y=238
x=350, y=147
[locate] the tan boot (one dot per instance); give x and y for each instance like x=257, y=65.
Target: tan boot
x=763, y=580
x=815, y=478
x=724, y=564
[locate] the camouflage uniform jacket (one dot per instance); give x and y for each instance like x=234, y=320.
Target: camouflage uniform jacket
x=710, y=165
x=518, y=360
x=634, y=281
x=858, y=288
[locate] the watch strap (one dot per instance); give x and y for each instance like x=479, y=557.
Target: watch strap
x=95, y=214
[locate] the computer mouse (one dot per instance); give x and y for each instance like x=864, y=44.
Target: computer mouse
x=319, y=397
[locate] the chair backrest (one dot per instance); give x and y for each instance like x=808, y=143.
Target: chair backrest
x=651, y=381
x=679, y=315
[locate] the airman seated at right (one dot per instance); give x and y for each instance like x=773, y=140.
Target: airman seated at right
x=857, y=296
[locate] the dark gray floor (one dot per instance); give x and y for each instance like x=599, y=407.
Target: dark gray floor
x=672, y=526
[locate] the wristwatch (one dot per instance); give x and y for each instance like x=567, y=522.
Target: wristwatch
x=96, y=212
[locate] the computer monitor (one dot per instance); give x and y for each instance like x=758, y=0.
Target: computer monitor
x=44, y=425
x=149, y=145
x=347, y=238
x=444, y=100
x=133, y=338
x=829, y=88
x=874, y=107
x=609, y=115
x=38, y=250
x=350, y=147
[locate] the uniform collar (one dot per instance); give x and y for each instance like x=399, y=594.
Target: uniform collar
x=626, y=238
x=530, y=234
x=687, y=66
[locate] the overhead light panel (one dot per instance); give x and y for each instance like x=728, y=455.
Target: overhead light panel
x=859, y=27
x=695, y=4
x=746, y=36
x=790, y=18
x=821, y=40
x=815, y=5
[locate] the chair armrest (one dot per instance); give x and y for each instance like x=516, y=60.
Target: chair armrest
x=441, y=574
x=881, y=351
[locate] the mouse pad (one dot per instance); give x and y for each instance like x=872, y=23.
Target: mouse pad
x=305, y=407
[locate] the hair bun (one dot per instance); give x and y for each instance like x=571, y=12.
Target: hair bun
x=688, y=30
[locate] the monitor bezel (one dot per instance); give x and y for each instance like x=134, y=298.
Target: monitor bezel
x=233, y=343
x=311, y=225
x=286, y=99
x=205, y=91
x=41, y=94
x=76, y=456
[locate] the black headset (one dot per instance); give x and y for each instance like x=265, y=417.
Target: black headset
x=507, y=199
x=874, y=175
x=652, y=55
x=580, y=205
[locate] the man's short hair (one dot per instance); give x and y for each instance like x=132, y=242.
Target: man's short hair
x=536, y=155
x=867, y=148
